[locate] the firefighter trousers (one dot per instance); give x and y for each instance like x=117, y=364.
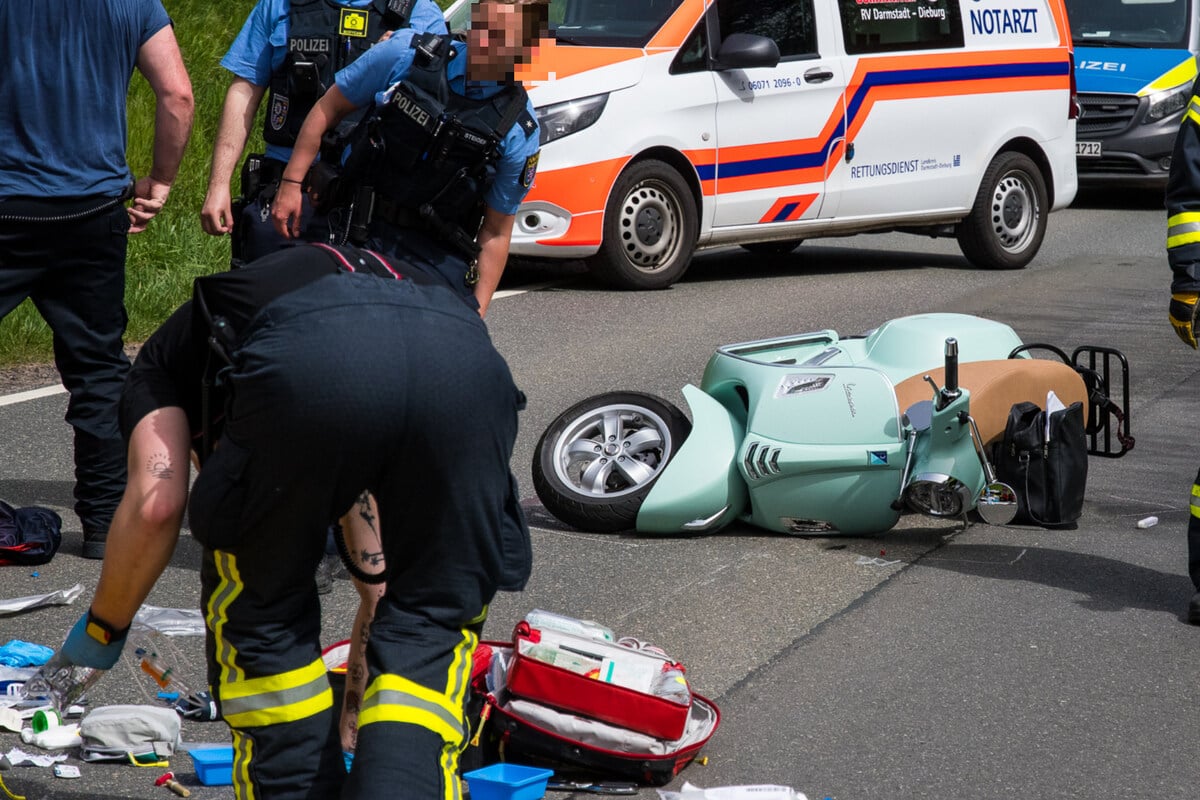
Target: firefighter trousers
x=357, y=382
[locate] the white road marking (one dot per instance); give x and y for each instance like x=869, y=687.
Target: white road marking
x=47, y=391
x=32, y=394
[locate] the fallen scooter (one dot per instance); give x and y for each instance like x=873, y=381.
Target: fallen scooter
x=823, y=434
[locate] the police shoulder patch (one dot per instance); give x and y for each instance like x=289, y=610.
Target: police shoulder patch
x=530, y=170
x=279, y=112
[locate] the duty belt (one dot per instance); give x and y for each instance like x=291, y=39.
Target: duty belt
x=395, y=214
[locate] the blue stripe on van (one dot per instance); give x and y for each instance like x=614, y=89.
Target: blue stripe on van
x=760, y=166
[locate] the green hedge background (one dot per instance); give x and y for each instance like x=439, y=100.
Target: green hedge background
x=165, y=258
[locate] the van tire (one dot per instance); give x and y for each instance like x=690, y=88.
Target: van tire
x=1008, y=221
x=649, y=228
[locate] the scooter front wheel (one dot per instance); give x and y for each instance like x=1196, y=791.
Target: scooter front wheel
x=597, y=461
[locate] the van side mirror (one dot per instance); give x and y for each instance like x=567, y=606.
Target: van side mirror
x=747, y=50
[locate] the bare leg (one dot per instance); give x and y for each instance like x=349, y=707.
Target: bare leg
x=360, y=526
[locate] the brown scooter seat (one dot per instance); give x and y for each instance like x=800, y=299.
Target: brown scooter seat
x=996, y=386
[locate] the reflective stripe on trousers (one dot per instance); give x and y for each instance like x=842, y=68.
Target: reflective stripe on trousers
x=396, y=699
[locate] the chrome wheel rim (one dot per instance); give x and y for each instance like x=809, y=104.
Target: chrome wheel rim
x=612, y=451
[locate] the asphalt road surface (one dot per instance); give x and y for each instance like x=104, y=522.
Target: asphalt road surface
x=929, y=662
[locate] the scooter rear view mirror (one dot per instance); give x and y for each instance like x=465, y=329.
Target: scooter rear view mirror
x=920, y=415
x=997, y=503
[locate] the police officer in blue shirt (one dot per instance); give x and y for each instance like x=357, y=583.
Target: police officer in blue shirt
x=448, y=155
x=291, y=50
x=66, y=66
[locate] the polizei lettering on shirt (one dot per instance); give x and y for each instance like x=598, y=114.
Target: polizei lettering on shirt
x=1004, y=20
x=314, y=44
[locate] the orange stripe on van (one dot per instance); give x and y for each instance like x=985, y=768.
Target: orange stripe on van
x=679, y=26
x=587, y=230
x=585, y=186
x=789, y=209
x=550, y=61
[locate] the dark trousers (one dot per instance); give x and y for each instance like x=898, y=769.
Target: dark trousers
x=425, y=254
x=358, y=382
x=1193, y=535
x=254, y=235
x=74, y=272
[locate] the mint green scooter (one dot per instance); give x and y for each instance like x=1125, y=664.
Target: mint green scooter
x=822, y=434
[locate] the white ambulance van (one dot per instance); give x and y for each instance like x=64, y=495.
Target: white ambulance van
x=669, y=125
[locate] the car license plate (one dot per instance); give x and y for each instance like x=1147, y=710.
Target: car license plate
x=1087, y=149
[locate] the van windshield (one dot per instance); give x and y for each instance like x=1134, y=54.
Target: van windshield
x=1130, y=23
x=609, y=23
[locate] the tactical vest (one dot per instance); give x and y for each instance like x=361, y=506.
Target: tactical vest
x=323, y=37
x=433, y=152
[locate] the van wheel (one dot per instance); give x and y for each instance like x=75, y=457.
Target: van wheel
x=772, y=248
x=1005, y=227
x=649, y=229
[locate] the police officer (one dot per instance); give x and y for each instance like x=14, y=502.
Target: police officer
x=288, y=50
x=336, y=372
x=1183, y=254
x=438, y=173
x=66, y=67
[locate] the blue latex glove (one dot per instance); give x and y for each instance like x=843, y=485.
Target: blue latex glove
x=24, y=654
x=86, y=649
x=349, y=759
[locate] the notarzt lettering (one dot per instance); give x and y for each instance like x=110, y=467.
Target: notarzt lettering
x=315, y=44
x=1004, y=20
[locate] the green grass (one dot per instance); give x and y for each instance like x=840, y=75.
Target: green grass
x=165, y=258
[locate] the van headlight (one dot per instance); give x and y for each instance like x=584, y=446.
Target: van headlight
x=563, y=119
x=1164, y=104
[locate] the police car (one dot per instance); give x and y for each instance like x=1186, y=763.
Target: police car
x=669, y=125
x=1135, y=62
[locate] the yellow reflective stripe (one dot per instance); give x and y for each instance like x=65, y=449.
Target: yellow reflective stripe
x=271, y=699
x=452, y=788
x=392, y=698
x=1196, y=490
x=243, y=752
x=482, y=618
x=217, y=613
x=1183, y=229
x=459, y=674
x=1181, y=73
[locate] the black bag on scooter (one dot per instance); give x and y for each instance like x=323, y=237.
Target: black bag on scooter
x=1046, y=462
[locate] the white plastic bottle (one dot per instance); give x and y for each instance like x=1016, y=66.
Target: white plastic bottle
x=548, y=620
x=59, y=738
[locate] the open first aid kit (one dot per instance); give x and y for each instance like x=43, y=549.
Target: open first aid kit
x=588, y=707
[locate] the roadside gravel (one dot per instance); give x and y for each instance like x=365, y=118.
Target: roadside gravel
x=23, y=377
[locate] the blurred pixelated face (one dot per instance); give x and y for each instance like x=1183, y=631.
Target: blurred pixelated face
x=497, y=41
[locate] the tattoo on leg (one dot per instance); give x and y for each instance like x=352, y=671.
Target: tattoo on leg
x=364, y=511
x=374, y=559
x=159, y=466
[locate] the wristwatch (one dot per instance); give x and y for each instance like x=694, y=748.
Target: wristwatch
x=102, y=632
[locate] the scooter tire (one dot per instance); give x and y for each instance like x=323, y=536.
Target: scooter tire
x=633, y=435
